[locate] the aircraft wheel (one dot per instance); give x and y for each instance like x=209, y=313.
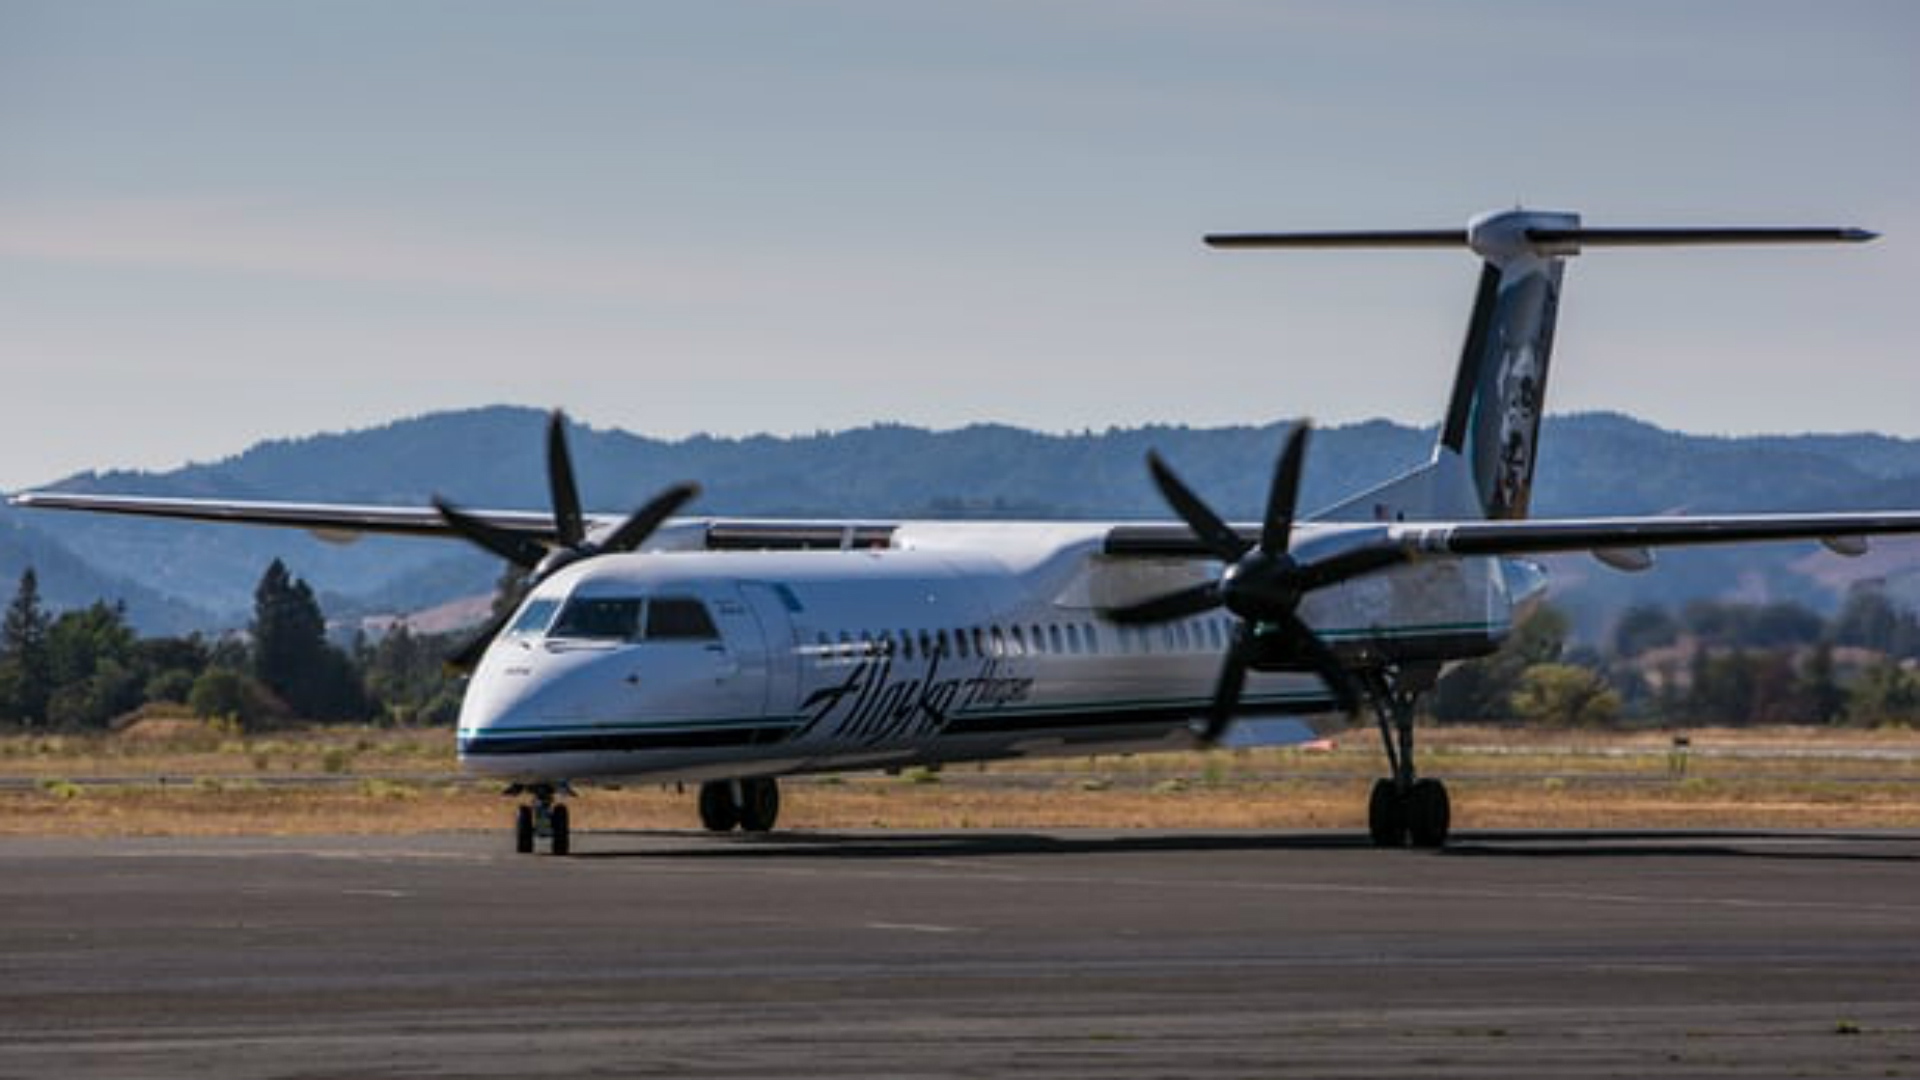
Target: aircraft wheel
x=523, y=830
x=1429, y=814
x=760, y=804
x=561, y=840
x=718, y=813
x=1387, y=815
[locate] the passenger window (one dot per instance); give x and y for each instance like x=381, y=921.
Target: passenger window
x=679, y=619
x=846, y=646
x=906, y=645
x=598, y=619
x=1053, y=638
x=1073, y=638
x=1019, y=642
x=926, y=644
x=999, y=642
x=979, y=642
x=534, y=617
x=1093, y=639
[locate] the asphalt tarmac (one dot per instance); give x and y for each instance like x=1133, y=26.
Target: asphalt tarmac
x=970, y=954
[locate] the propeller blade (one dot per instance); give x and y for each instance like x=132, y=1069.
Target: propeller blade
x=520, y=550
x=1324, y=663
x=568, y=525
x=1226, y=692
x=1285, y=492
x=642, y=522
x=1169, y=606
x=1219, y=537
x=467, y=657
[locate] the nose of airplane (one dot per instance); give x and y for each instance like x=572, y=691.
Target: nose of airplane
x=500, y=705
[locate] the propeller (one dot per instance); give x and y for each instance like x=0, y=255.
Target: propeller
x=1262, y=586
x=540, y=557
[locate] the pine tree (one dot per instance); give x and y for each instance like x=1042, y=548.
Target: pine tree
x=1820, y=692
x=26, y=678
x=291, y=656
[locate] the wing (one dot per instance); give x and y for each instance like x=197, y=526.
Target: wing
x=1845, y=533
x=330, y=521
x=340, y=523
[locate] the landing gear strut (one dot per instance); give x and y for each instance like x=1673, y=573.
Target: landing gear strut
x=1403, y=808
x=753, y=804
x=543, y=818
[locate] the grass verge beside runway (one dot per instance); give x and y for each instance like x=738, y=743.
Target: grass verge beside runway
x=193, y=780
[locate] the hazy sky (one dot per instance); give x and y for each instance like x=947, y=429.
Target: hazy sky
x=227, y=221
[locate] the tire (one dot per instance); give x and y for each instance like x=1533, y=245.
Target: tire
x=761, y=799
x=717, y=810
x=1429, y=814
x=523, y=830
x=1387, y=815
x=562, y=840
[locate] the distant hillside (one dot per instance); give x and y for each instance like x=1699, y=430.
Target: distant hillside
x=68, y=581
x=1590, y=464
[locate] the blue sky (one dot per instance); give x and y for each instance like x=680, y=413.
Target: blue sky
x=221, y=222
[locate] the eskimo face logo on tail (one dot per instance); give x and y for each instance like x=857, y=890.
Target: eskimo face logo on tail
x=872, y=707
x=1513, y=389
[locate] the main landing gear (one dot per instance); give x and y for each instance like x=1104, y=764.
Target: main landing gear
x=752, y=804
x=1403, y=809
x=545, y=818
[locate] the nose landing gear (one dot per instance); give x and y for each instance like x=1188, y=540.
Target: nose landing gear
x=545, y=818
x=752, y=804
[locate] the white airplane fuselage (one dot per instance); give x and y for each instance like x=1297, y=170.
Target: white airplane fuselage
x=954, y=643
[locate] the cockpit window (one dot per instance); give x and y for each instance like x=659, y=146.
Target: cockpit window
x=603, y=618
x=534, y=617
x=679, y=618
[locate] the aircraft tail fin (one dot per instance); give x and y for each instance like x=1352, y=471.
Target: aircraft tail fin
x=1483, y=461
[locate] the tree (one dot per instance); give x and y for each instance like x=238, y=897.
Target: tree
x=1643, y=627
x=92, y=654
x=1723, y=688
x=1564, y=695
x=1483, y=689
x=406, y=677
x=1870, y=620
x=1762, y=626
x=26, y=677
x=1819, y=691
x=222, y=693
x=1884, y=693
x=291, y=656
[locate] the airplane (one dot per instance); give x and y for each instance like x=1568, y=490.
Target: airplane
x=730, y=652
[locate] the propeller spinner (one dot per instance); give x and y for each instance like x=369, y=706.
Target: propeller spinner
x=1262, y=586
x=542, y=557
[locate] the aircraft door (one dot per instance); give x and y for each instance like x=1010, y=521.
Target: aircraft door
x=742, y=661
x=773, y=606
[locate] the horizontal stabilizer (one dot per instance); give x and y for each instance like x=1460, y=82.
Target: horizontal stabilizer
x=1585, y=237
x=1564, y=241
x=1400, y=238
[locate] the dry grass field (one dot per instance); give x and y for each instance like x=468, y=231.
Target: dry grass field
x=185, y=778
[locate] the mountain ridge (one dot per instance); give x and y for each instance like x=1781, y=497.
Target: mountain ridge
x=1590, y=463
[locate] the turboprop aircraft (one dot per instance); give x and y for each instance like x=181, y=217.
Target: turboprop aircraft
x=732, y=652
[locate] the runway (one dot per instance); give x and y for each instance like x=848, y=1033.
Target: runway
x=966, y=954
